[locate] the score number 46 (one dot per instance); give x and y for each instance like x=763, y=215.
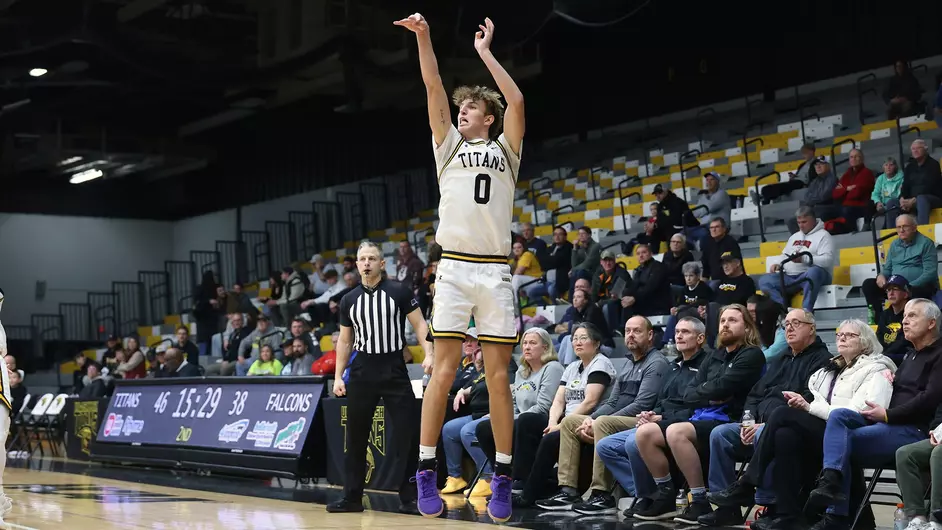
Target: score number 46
x=207, y=403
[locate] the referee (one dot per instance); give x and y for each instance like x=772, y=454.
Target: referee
x=373, y=322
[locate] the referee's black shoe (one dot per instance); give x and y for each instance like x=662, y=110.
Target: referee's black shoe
x=345, y=506
x=409, y=508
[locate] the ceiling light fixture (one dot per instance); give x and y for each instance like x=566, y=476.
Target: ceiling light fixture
x=38, y=72
x=70, y=160
x=85, y=176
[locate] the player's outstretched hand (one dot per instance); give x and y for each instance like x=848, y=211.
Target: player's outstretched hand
x=483, y=38
x=415, y=23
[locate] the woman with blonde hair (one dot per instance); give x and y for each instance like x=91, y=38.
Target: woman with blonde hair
x=533, y=389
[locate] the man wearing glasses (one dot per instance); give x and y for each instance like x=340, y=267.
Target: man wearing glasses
x=732, y=442
x=912, y=256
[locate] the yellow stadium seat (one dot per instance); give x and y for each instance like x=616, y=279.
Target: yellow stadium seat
x=425, y=225
x=376, y=234
x=754, y=265
x=583, y=173
x=607, y=223
x=398, y=237
x=856, y=256
x=543, y=230
x=629, y=209
x=630, y=262
x=935, y=216
x=631, y=171
x=870, y=127
x=574, y=217
x=657, y=160
x=841, y=275
x=172, y=320
x=601, y=204
x=772, y=248
x=785, y=167
x=329, y=254
x=579, y=194
x=144, y=331
x=569, y=188
x=264, y=292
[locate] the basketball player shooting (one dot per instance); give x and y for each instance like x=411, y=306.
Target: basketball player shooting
x=477, y=172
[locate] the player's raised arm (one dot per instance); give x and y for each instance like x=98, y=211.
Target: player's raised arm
x=439, y=114
x=514, y=121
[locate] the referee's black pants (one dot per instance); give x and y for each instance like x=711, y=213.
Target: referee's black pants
x=373, y=377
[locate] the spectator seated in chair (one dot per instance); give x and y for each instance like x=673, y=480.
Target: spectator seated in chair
x=531, y=243
x=582, y=310
x=97, y=385
x=769, y=317
x=649, y=293
x=852, y=194
x=718, y=394
x=535, y=384
x=266, y=364
x=858, y=379
x=300, y=361
x=875, y=433
x=732, y=441
x=673, y=213
x=556, y=262
x=674, y=259
x=458, y=434
x=890, y=321
x=230, y=348
x=713, y=203
x=796, y=180
x=584, y=385
x=129, y=366
x=736, y=288
x=692, y=302
x=184, y=343
x=911, y=255
x=619, y=452
x=887, y=189
x=820, y=193
x=811, y=237
x=176, y=365
x=526, y=268
x=585, y=255
x=720, y=243
x=248, y=348
x=605, y=287
x=634, y=391
x=650, y=236
x=922, y=184
x=902, y=92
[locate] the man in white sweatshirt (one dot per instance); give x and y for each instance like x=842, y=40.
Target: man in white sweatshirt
x=813, y=238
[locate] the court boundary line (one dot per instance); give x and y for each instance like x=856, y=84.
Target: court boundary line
x=14, y=526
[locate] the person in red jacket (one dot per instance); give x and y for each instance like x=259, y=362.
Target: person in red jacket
x=852, y=193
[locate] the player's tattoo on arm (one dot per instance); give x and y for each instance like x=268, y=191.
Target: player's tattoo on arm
x=442, y=114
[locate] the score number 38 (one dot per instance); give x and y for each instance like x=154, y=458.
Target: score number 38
x=199, y=406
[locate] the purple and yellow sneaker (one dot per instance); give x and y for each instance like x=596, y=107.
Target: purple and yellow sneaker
x=500, y=507
x=429, y=502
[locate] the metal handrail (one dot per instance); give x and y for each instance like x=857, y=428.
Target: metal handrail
x=533, y=195
x=536, y=218
x=683, y=170
x=834, y=162
x=419, y=237
x=701, y=123
x=899, y=136
x=877, y=240
x=749, y=104
x=860, y=94
x=621, y=202
x=520, y=305
x=165, y=295
x=153, y=347
x=553, y=214
x=182, y=308
x=781, y=271
x=100, y=319
x=759, y=203
x=745, y=151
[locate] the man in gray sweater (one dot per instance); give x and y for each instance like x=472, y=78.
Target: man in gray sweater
x=250, y=345
x=635, y=390
x=713, y=203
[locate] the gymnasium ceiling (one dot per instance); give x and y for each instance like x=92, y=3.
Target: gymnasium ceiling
x=174, y=100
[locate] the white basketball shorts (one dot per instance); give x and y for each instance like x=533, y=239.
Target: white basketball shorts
x=478, y=286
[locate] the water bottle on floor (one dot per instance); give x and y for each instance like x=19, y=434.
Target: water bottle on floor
x=747, y=421
x=900, y=521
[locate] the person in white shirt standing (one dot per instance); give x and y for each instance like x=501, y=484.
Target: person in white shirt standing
x=6, y=412
x=813, y=238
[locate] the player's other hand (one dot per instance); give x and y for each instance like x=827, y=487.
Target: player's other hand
x=483, y=38
x=340, y=389
x=415, y=23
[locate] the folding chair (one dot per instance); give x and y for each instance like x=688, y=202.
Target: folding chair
x=477, y=476
x=54, y=426
x=13, y=444
x=32, y=423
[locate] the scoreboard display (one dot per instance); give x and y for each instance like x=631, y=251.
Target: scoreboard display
x=226, y=414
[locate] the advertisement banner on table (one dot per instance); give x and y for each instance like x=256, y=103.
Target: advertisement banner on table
x=239, y=417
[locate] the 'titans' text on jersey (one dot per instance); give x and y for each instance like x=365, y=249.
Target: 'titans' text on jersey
x=477, y=180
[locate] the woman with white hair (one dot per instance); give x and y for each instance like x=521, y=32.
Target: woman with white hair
x=533, y=389
x=793, y=436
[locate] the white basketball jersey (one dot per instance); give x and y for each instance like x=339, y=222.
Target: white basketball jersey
x=476, y=180
x=6, y=396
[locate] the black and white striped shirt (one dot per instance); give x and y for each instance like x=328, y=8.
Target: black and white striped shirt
x=378, y=316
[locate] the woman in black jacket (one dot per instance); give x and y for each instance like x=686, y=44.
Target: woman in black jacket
x=674, y=260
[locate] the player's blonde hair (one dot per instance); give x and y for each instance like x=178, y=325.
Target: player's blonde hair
x=492, y=103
